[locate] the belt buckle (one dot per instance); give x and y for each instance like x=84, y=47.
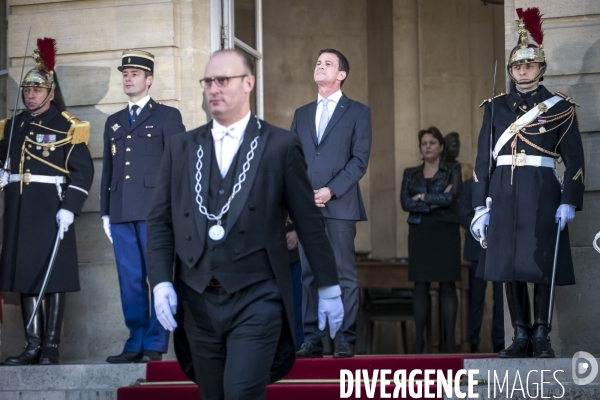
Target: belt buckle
x=27, y=177
x=521, y=159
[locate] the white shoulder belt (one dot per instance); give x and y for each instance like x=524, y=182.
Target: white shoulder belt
x=523, y=121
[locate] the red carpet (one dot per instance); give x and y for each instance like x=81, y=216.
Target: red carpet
x=323, y=369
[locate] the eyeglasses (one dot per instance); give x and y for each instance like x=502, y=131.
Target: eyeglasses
x=221, y=81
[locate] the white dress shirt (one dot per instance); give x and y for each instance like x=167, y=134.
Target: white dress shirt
x=333, y=100
x=227, y=141
x=140, y=103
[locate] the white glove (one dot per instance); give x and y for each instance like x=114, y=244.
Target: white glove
x=165, y=305
x=564, y=215
x=595, y=242
x=480, y=222
x=5, y=178
x=331, y=309
x=106, y=224
x=64, y=219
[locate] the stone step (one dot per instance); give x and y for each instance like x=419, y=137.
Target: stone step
x=67, y=381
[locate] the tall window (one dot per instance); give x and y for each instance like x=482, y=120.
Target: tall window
x=238, y=24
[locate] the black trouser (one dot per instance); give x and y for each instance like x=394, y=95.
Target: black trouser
x=477, y=289
x=233, y=339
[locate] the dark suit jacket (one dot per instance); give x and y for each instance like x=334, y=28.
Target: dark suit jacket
x=129, y=172
x=342, y=157
x=466, y=213
x=275, y=184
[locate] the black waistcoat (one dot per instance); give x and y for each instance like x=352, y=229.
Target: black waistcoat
x=215, y=261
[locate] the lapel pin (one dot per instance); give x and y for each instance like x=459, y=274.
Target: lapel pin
x=115, y=127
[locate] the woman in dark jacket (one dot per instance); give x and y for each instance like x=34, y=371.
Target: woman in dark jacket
x=430, y=194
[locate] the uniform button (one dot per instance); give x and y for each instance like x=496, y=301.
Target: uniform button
x=127, y=163
x=186, y=214
x=29, y=146
x=251, y=206
x=525, y=107
x=236, y=251
x=188, y=237
x=128, y=149
x=126, y=176
x=190, y=259
x=149, y=135
x=128, y=136
x=214, y=249
x=242, y=231
x=318, y=154
x=221, y=191
x=31, y=133
x=27, y=170
x=29, y=158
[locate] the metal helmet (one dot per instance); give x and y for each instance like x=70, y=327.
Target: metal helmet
x=43, y=75
x=530, y=22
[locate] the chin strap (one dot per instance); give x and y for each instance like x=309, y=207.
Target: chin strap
x=531, y=81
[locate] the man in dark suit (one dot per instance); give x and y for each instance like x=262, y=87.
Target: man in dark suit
x=477, y=286
x=335, y=133
x=134, y=139
x=222, y=197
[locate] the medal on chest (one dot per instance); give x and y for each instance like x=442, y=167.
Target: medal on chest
x=216, y=232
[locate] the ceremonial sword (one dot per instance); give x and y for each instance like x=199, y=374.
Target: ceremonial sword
x=492, y=124
x=551, y=308
x=46, y=278
x=12, y=125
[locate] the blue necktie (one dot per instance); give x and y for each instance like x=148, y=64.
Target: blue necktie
x=323, y=120
x=133, y=114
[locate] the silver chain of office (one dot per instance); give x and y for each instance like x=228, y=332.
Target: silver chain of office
x=236, y=188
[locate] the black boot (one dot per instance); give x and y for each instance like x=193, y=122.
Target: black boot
x=541, y=328
x=517, y=298
x=55, y=310
x=33, y=335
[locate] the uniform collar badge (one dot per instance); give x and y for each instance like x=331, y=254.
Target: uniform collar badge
x=115, y=127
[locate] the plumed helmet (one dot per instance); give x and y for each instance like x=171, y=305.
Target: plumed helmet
x=530, y=23
x=43, y=75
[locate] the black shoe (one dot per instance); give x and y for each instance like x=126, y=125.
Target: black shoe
x=309, y=350
x=521, y=346
x=125, y=358
x=49, y=355
x=151, y=355
x=540, y=339
x=28, y=357
x=343, y=350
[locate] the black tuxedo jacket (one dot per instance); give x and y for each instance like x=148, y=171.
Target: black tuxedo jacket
x=131, y=159
x=340, y=160
x=276, y=184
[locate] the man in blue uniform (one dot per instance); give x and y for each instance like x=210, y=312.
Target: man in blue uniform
x=518, y=195
x=134, y=139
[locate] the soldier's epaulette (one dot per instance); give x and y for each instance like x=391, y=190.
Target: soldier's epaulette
x=486, y=100
x=79, y=131
x=567, y=98
x=3, y=124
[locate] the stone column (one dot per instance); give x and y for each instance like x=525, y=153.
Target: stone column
x=91, y=36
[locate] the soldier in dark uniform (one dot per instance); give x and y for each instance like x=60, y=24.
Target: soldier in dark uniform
x=134, y=139
x=518, y=193
x=46, y=181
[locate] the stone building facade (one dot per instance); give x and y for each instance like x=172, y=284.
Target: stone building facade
x=416, y=63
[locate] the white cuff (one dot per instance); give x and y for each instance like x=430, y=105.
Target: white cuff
x=161, y=285
x=329, y=292
x=80, y=189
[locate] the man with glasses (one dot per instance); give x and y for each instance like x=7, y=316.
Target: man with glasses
x=134, y=139
x=218, y=216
